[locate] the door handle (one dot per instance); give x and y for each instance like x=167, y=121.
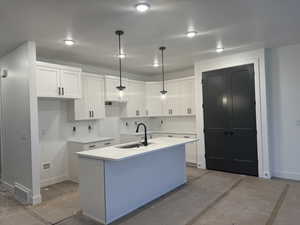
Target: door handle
x=231, y=133
x=226, y=133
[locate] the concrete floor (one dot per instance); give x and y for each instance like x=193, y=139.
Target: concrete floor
x=209, y=198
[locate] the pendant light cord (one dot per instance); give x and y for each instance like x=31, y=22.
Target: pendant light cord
x=162, y=48
x=163, y=67
x=120, y=60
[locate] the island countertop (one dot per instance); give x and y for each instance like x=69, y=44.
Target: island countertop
x=116, y=153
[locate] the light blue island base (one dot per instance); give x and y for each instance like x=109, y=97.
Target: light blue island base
x=110, y=189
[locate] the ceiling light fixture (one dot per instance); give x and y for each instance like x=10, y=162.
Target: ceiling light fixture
x=219, y=49
x=120, y=87
x=163, y=91
x=142, y=7
x=69, y=42
x=121, y=55
x=155, y=63
x=191, y=34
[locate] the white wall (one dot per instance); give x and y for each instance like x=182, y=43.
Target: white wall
x=19, y=121
x=54, y=131
x=284, y=116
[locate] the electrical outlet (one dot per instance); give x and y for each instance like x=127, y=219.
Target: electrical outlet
x=46, y=166
x=74, y=129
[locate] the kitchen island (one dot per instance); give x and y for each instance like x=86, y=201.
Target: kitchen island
x=116, y=180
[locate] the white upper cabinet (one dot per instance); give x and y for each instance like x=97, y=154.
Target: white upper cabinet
x=112, y=94
x=57, y=81
x=135, y=95
x=153, y=99
x=91, y=105
x=188, y=96
x=172, y=104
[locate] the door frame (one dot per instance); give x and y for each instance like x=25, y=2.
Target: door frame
x=258, y=59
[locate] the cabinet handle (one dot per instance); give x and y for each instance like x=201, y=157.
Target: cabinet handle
x=90, y=112
x=92, y=146
x=107, y=143
x=59, y=90
x=170, y=111
x=186, y=136
x=170, y=135
x=189, y=111
x=63, y=91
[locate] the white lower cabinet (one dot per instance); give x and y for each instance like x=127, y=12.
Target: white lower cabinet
x=190, y=149
x=73, y=147
x=91, y=106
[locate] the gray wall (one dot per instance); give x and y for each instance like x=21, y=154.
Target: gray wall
x=19, y=119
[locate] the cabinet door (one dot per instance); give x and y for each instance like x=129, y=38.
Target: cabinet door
x=188, y=97
x=172, y=102
x=111, y=91
x=70, y=82
x=81, y=106
x=47, y=81
x=136, y=99
x=96, y=97
x=153, y=99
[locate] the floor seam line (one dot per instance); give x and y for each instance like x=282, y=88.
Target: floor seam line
x=278, y=205
x=192, y=180
x=37, y=216
x=218, y=199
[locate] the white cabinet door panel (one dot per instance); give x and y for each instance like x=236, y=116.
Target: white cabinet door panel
x=48, y=81
x=70, y=82
x=96, y=97
x=153, y=99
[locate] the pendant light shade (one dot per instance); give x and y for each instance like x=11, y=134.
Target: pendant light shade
x=163, y=91
x=120, y=87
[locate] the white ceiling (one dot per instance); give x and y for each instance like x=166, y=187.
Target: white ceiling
x=237, y=24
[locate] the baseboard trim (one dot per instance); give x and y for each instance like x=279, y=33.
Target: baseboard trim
x=35, y=200
x=286, y=175
x=53, y=180
x=7, y=186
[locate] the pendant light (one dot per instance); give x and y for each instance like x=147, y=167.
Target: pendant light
x=120, y=87
x=163, y=91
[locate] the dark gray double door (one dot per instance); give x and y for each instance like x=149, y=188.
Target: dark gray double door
x=230, y=120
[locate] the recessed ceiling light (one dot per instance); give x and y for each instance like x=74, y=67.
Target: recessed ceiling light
x=156, y=64
x=191, y=34
x=142, y=7
x=219, y=49
x=69, y=42
x=121, y=56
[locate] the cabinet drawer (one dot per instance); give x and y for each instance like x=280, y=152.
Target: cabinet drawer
x=96, y=145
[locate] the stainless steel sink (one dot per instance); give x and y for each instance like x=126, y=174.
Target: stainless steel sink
x=132, y=145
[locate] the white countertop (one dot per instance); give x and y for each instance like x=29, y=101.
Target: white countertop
x=87, y=140
x=115, y=153
x=159, y=132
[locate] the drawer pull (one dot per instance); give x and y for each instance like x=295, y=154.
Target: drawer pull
x=92, y=146
x=186, y=136
x=107, y=143
x=170, y=135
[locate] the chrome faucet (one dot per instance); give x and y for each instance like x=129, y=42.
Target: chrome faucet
x=145, y=129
